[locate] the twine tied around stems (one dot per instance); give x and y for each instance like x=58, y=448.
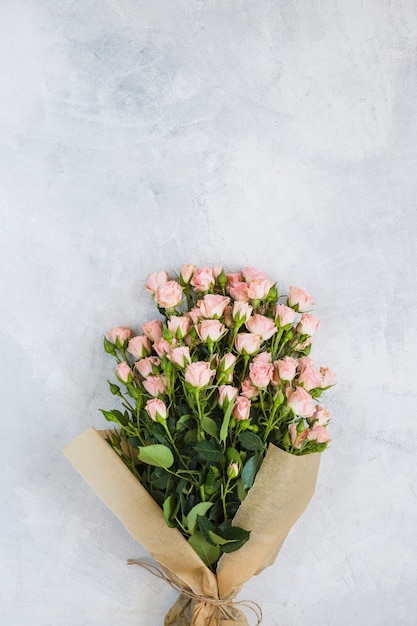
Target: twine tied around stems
x=223, y=608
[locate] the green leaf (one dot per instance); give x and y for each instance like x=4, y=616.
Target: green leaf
x=209, y=426
x=199, y=509
x=206, y=526
x=207, y=552
x=116, y=416
x=250, y=469
x=170, y=508
x=250, y=441
x=225, y=423
x=208, y=451
x=236, y=537
x=157, y=455
x=181, y=424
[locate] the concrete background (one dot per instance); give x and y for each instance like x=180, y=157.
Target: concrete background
x=137, y=136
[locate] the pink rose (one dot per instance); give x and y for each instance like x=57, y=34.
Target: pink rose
x=241, y=311
x=308, y=324
x=213, y=305
x=300, y=300
x=328, y=377
x=319, y=433
x=228, y=362
x=239, y=291
x=284, y=315
x=156, y=408
x=262, y=357
x=186, y=273
x=286, y=367
x=180, y=356
x=121, y=333
x=228, y=321
x=162, y=347
x=227, y=394
x=320, y=415
x=147, y=366
x=309, y=377
x=194, y=314
x=199, y=374
x=124, y=372
x=259, y=289
x=217, y=270
x=251, y=273
x=260, y=373
x=241, y=409
x=155, y=385
x=248, y=390
x=262, y=326
x=211, y=329
x=179, y=325
x=168, y=295
x=233, y=278
x=203, y=279
x=247, y=343
x=152, y=329
x=139, y=346
x=300, y=401
x=297, y=441
x=156, y=280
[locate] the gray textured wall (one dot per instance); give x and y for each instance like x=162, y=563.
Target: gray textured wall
x=137, y=136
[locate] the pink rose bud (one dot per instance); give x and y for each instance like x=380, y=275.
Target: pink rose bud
x=124, y=372
x=328, y=377
x=321, y=416
x=319, y=433
x=139, y=346
x=211, y=329
x=308, y=324
x=199, y=374
x=241, y=409
x=156, y=280
x=233, y=470
x=241, y=311
x=179, y=325
x=163, y=347
x=152, y=329
x=227, y=363
x=297, y=440
x=168, y=295
x=146, y=367
x=248, y=390
x=186, y=273
x=286, y=367
x=227, y=394
x=309, y=377
x=155, y=385
x=251, y=273
x=300, y=401
x=284, y=315
x=203, y=279
x=227, y=320
x=259, y=289
x=247, y=343
x=217, y=270
x=121, y=333
x=180, y=356
x=213, y=305
x=156, y=408
x=260, y=373
x=262, y=357
x=239, y=291
x=262, y=326
x=300, y=300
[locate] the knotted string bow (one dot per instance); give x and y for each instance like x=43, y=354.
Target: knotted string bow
x=223, y=608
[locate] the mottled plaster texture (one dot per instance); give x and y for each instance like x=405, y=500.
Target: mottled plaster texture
x=139, y=135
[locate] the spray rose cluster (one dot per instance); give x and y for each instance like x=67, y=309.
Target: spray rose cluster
x=223, y=372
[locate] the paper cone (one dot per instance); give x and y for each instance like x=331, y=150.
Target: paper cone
x=283, y=487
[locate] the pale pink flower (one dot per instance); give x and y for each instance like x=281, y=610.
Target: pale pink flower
x=139, y=346
x=286, y=367
x=303, y=361
x=186, y=272
x=199, y=374
x=239, y=291
x=260, y=373
x=300, y=401
x=297, y=441
x=318, y=433
x=156, y=280
x=227, y=362
x=121, y=333
x=211, y=329
x=241, y=311
x=162, y=347
x=247, y=343
x=308, y=324
x=217, y=270
x=262, y=326
x=124, y=372
x=241, y=409
x=228, y=321
x=328, y=377
x=168, y=295
x=262, y=357
x=155, y=385
x=179, y=325
x=227, y=394
x=299, y=299
x=248, y=390
x=252, y=273
x=152, y=329
x=180, y=356
x=284, y=315
x=233, y=278
x=146, y=366
x=195, y=314
x=156, y=408
x=320, y=415
x=309, y=377
x=213, y=305
x=259, y=289
x=202, y=279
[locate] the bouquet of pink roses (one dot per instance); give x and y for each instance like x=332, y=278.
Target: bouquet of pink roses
x=219, y=380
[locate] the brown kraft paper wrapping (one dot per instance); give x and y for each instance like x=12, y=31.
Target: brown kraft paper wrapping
x=283, y=487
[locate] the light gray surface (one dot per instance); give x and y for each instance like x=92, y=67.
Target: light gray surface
x=136, y=136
